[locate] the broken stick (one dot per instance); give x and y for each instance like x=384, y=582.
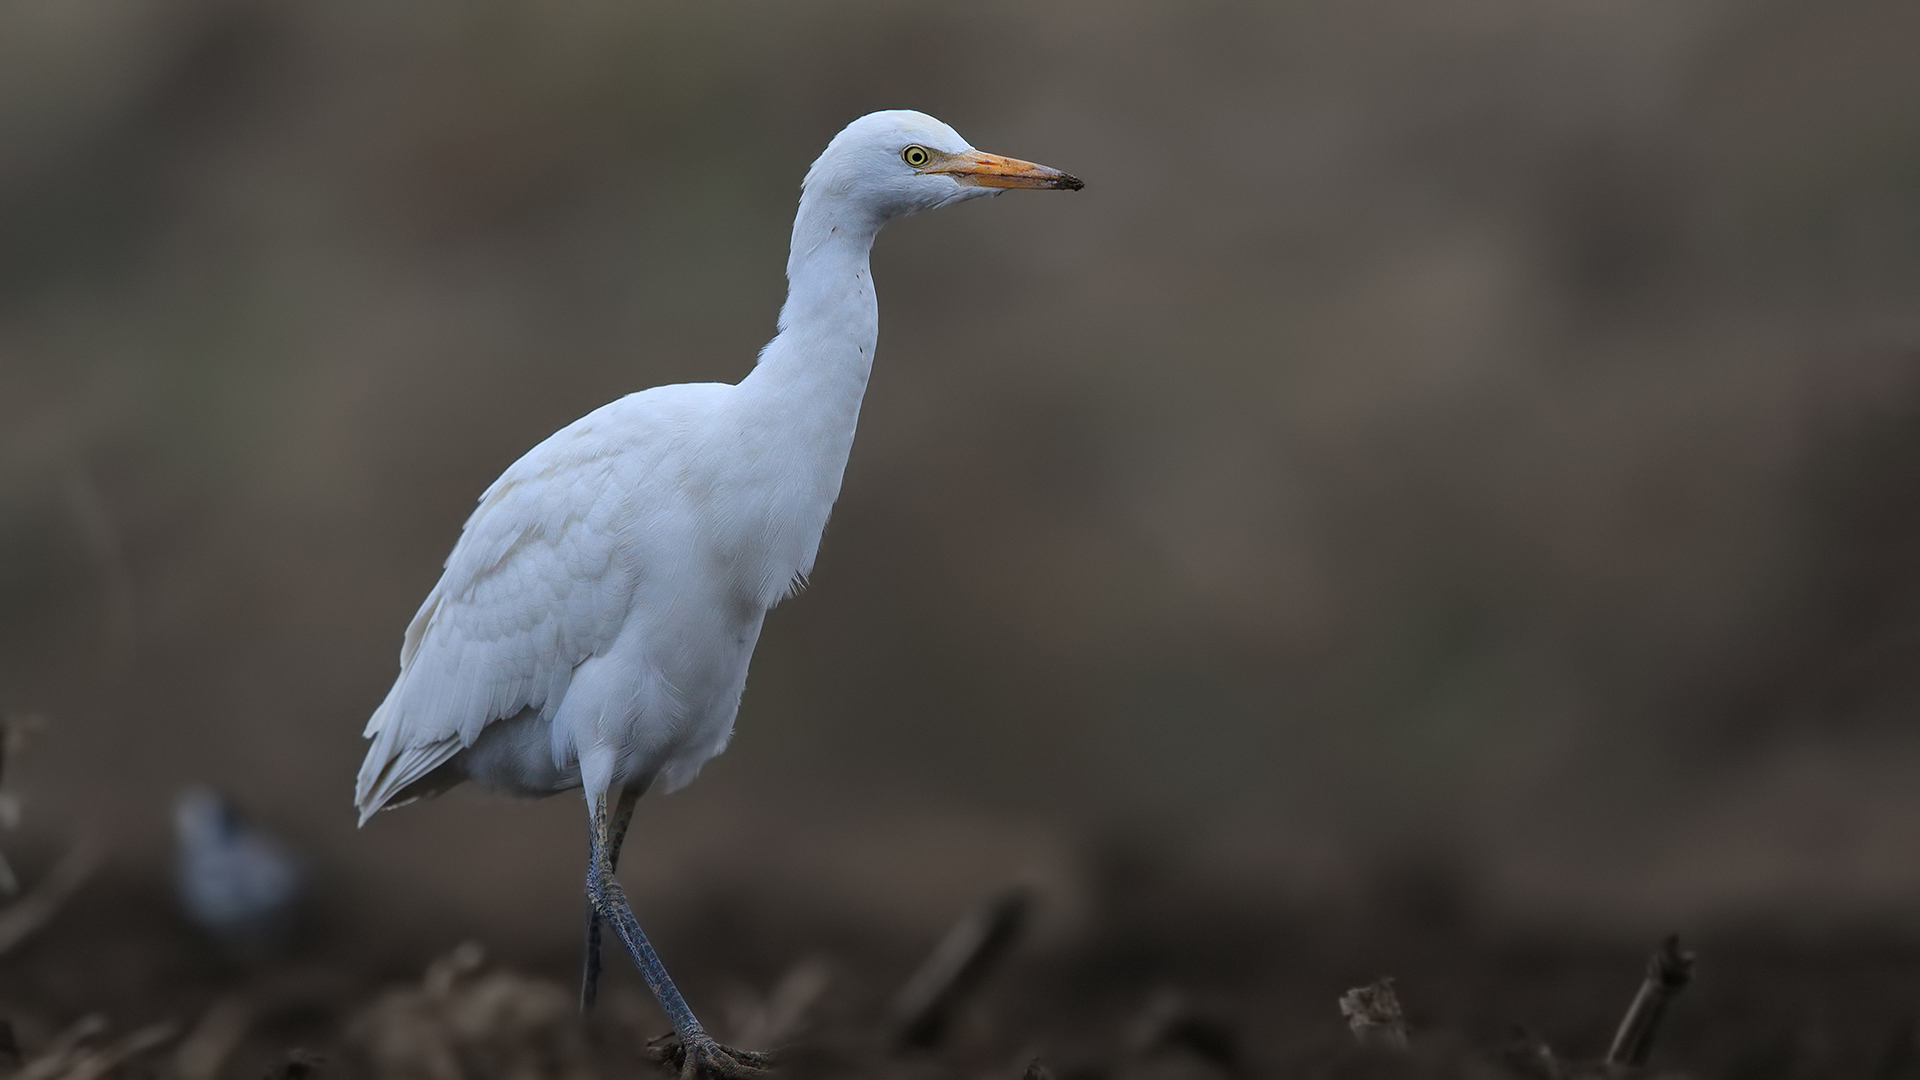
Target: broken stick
x=1667, y=974
x=962, y=959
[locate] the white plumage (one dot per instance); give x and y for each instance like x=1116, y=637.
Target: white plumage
x=597, y=524
x=596, y=617
x=594, y=623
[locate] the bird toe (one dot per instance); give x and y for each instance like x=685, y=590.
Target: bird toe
x=706, y=1059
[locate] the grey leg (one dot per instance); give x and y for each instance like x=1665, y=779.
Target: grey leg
x=697, y=1054
x=590, y=968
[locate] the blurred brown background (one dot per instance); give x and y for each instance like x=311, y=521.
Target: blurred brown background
x=1482, y=431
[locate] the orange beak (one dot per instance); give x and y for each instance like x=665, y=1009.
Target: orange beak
x=992, y=170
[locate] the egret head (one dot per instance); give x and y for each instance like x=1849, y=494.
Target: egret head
x=900, y=161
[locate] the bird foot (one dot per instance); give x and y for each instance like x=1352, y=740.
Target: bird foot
x=704, y=1059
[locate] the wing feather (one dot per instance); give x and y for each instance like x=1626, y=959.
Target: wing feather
x=542, y=578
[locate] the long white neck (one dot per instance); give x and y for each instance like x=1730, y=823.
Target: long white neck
x=802, y=401
x=831, y=319
x=812, y=375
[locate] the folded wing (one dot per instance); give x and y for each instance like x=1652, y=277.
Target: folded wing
x=542, y=579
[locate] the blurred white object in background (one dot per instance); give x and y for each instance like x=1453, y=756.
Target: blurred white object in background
x=240, y=884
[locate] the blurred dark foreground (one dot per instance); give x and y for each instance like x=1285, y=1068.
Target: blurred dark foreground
x=1163, y=974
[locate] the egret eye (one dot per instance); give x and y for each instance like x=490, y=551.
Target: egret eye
x=916, y=156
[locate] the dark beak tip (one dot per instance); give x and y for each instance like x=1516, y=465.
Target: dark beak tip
x=1069, y=182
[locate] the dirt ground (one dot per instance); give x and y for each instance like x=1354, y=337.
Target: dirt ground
x=1167, y=977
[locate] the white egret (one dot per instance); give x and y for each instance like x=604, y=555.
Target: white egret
x=596, y=617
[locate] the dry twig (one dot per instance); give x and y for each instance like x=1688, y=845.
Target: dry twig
x=25, y=916
x=1667, y=974
x=69, y=1058
x=9, y=1046
x=93, y=1066
x=1171, y=1022
x=464, y=1022
x=958, y=964
x=784, y=1012
x=16, y=732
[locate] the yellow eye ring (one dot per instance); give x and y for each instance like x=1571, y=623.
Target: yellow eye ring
x=916, y=155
